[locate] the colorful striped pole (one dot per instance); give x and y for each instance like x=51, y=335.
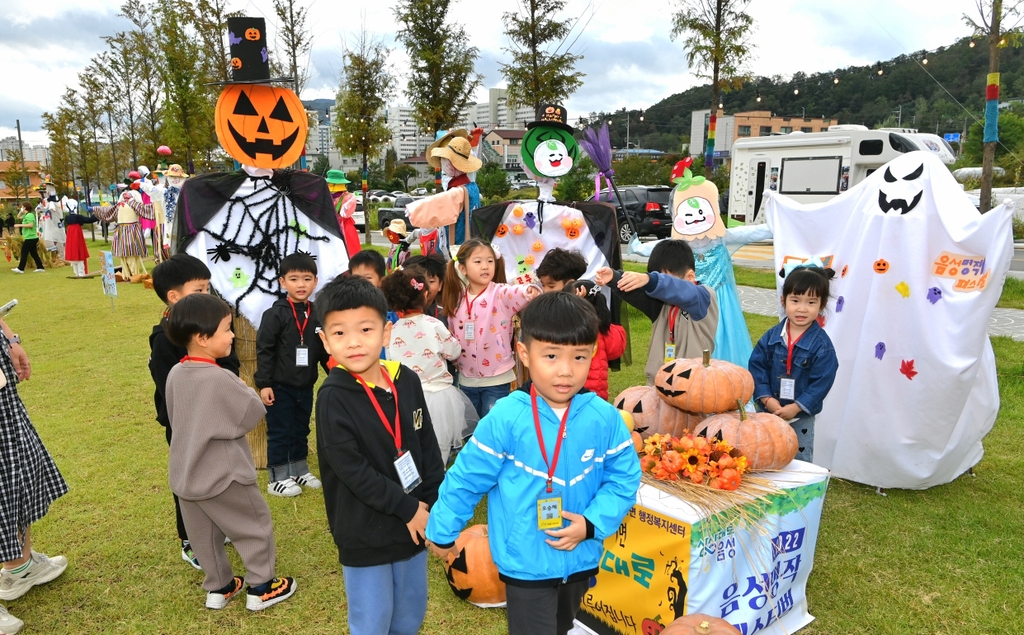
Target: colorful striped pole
x=709, y=150
x=992, y=109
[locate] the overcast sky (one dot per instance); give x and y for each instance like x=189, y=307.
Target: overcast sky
x=629, y=58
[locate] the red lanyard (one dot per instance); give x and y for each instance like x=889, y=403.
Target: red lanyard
x=790, y=343
x=673, y=313
x=396, y=432
x=410, y=313
x=302, y=327
x=189, y=358
x=469, y=305
x=540, y=437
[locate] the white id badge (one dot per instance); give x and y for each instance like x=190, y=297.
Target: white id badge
x=787, y=388
x=407, y=472
x=301, y=356
x=549, y=510
x=470, y=331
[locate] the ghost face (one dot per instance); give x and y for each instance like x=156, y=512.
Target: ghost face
x=693, y=215
x=552, y=158
x=900, y=193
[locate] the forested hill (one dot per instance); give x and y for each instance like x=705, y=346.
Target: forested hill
x=861, y=96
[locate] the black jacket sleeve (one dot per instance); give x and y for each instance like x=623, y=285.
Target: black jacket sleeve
x=638, y=298
x=267, y=339
x=162, y=358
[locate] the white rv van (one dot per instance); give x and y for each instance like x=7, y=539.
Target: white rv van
x=814, y=167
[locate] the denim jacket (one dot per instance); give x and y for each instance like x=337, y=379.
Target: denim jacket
x=814, y=366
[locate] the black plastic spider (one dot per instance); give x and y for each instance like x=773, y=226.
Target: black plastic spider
x=223, y=252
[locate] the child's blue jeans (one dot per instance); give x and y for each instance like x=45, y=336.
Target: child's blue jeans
x=288, y=432
x=484, y=397
x=388, y=599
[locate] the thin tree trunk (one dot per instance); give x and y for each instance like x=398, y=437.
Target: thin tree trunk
x=989, y=155
x=366, y=202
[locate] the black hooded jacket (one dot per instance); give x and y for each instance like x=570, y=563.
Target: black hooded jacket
x=276, y=341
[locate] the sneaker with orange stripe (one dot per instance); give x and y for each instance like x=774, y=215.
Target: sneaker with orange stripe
x=269, y=593
x=219, y=599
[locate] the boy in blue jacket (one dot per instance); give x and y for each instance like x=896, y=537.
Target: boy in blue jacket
x=683, y=312
x=558, y=467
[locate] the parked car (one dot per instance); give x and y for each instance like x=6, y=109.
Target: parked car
x=386, y=214
x=359, y=217
x=398, y=193
x=648, y=205
x=420, y=191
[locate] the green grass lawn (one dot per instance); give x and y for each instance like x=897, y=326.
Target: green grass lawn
x=945, y=560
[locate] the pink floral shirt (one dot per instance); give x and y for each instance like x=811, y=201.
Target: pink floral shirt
x=423, y=344
x=489, y=353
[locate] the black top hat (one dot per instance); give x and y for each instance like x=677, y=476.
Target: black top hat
x=552, y=115
x=250, y=58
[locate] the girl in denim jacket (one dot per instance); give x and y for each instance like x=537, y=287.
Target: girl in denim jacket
x=794, y=363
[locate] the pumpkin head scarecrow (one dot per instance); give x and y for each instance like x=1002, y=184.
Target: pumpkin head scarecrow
x=242, y=223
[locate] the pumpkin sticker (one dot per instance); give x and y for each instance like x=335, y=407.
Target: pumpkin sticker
x=261, y=125
x=518, y=229
x=881, y=265
x=252, y=34
x=236, y=63
x=502, y=231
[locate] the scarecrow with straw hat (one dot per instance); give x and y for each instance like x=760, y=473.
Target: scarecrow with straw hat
x=400, y=238
x=454, y=154
x=174, y=177
x=345, y=207
x=129, y=244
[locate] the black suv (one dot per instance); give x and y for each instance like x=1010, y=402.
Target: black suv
x=648, y=205
x=387, y=214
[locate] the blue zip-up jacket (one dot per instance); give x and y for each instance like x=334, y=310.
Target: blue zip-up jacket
x=598, y=474
x=814, y=367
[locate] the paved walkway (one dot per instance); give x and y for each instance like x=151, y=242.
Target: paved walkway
x=765, y=302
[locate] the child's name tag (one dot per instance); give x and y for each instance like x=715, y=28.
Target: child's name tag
x=549, y=511
x=787, y=388
x=301, y=356
x=408, y=475
x=670, y=352
x=470, y=331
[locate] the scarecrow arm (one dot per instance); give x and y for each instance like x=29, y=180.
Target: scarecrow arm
x=106, y=213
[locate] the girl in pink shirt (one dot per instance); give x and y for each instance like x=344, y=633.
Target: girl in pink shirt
x=480, y=307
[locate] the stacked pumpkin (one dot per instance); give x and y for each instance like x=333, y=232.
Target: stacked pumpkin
x=706, y=396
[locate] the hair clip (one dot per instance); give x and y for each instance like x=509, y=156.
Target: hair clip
x=416, y=285
x=594, y=290
x=813, y=262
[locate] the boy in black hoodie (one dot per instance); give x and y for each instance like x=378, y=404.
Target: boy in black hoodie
x=287, y=353
x=173, y=279
x=379, y=462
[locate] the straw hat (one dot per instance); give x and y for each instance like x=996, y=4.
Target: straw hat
x=397, y=226
x=175, y=170
x=460, y=153
x=440, y=143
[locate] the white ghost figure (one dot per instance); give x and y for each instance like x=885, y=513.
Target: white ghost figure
x=918, y=272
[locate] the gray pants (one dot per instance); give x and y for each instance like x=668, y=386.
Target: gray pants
x=241, y=514
x=804, y=428
x=544, y=610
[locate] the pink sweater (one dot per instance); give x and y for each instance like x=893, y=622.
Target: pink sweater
x=490, y=352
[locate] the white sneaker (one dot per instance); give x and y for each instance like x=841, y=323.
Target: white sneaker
x=16, y=270
x=216, y=600
x=42, y=570
x=40, y=271
x=308, y=480
x=9, y=625
x=288, y=487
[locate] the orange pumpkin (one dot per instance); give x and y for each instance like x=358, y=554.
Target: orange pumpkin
x=236, y=63
x=700, y=624
x=472, y=574
x=261, y=125
x=502, y=231
x=704, y=385
x=652, y=415
x=768, y=442
x=252, y=34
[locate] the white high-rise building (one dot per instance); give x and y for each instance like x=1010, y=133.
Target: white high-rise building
x=407, y=138
x=9, y=145
x=494, y=113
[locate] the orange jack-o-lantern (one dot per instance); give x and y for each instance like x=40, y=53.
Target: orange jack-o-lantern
x=653, y=415
x=517, y=211
x=845, y=269
x=261, y=125
x=502, y=231
x=881, y=265
x=538, y=246
x=236, y=63
x=704, y=385
x=472, y=574
x=517, y=229
x=529, y=259
x=252, y=34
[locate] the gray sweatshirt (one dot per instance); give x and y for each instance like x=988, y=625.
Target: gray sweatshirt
x=211, y=410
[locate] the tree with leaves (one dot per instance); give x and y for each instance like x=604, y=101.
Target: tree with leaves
x=717, y=39
x=403, y=173
x=998, y=22
x=542, y=69
x=321, y=165
x=295, y=38
x=390, y=159
x=143, y=63
x=15, y=176
x=493, y=181
x=442, y=79
x=367, y=86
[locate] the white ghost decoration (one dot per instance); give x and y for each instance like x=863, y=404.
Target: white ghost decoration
x=918, y=272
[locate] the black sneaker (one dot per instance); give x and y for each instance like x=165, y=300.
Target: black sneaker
x=219, y=599
x=269, y=593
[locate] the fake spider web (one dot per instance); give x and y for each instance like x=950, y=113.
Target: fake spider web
x=264, y=227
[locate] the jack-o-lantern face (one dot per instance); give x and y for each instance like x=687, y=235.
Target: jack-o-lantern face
x=252, y=34
x=472, y=575
x=538, y=246
x=881, y=266
x=261, y=125
x=518, y=229
x=572, y=233
x=502, y=231
x=236, y=63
